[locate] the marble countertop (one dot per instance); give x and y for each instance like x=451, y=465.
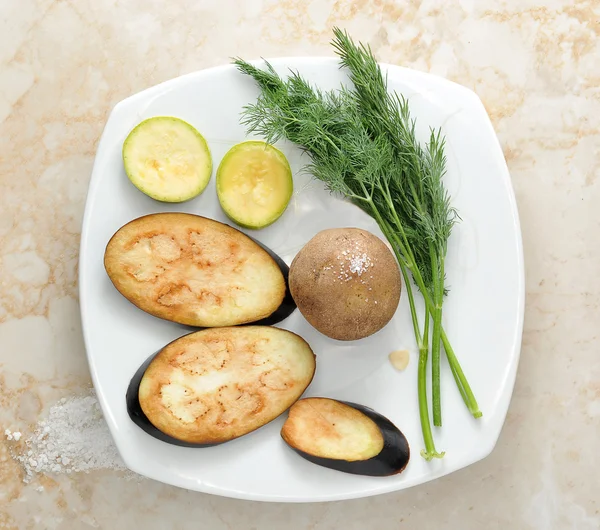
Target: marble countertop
x=536, y=66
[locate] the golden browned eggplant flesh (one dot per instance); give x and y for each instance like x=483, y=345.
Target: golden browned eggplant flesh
x=218, y=384
x=346, y=437
x=196, y=271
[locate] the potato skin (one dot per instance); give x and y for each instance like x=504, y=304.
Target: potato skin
x=346, y=283
x=214, y=385
x=193, y=270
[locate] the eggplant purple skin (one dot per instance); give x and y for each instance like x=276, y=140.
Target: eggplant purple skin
x=138, y=416
x=287, y=306
x=391, y=460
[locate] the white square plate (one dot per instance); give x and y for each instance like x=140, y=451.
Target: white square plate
x=483, y=313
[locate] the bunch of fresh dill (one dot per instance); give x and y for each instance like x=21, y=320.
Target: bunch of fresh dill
x=361, y=143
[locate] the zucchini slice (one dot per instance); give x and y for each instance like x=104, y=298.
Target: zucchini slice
x=215, y=385
x=346, y=437
x=196, y=271
x=254, y=184
x=167, y=159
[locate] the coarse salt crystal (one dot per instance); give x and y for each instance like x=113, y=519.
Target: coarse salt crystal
x=360, y=263
x=73, y=438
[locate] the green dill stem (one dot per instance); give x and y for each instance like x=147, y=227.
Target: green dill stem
x=430, y=451
x=461, y=380
x=459, y=376
x=426, y=333
x=409, y=253
x=435, y=341
x=411, y=303
x=460, y=387
x=422, y=341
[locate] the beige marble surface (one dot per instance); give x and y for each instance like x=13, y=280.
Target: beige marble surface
x=536, y=66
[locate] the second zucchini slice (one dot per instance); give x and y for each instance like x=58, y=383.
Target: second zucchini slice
x=167, y=159
x=254, y=184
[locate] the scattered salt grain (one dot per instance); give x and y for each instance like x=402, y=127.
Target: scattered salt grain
x=359, y=264
x=353, y=263
x=73, y=438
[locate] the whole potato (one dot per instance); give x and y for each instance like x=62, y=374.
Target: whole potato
x=346, y=283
